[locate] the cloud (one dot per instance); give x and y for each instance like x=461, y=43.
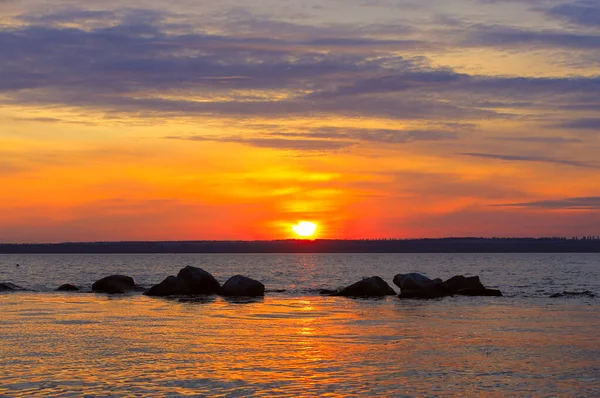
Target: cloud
x=585, y=13
x=274, y=143
x=150, y=63
x=584, y=124
x=538, y=159
x=328, y=138
x=384, y=136
x=539, y=139
x=585, y=203
x=511, y=37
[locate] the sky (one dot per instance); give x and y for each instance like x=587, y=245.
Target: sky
x=211, y=120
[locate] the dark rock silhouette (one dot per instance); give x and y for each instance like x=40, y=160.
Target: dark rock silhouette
x=368, y=287
x=468, y=286
x=242, y=286
x=460, y=282
x=9, y=287
x=190, y=281
x=415, y=285
x=67, y=287
x=114, y=284
x=585, y=293
x=199, y=281
x=171, y=286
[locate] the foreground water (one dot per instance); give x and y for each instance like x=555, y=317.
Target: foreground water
x=296, y=343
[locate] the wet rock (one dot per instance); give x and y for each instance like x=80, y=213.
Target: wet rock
x=585, y=293
x=171, y=286
x=9, y=287
x=368, y=287
x=479, y=292
x=114, y=284
x=242, y=286
x=199, y=281
x=460, y=282
x=415, y=285
x=67, y=287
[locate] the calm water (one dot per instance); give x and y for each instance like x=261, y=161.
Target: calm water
x=296, y=343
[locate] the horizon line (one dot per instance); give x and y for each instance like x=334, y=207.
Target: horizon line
x=576, y=237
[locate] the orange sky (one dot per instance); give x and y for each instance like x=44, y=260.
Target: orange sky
x=153, y=121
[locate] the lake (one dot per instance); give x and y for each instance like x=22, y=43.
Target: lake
x=295, y=342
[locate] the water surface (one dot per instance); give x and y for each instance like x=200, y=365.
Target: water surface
x=296, y=343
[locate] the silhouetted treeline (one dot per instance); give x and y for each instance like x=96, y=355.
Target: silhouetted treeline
x=445, y=245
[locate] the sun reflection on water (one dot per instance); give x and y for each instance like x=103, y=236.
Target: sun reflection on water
x=89, y=344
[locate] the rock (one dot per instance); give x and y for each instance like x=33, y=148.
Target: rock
x=459, y=282
x=368, y=287
x=199, y=281
x=114, y=284
x=172, y=286
x=242, y=286
x=479, y=292
x=67, y=287
x=415, y=285
x=585, y=293
x=9, y=287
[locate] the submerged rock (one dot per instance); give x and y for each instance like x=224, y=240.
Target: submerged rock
x=67, y=287
x=415, y=285
x=326, y=291
x=585, y=293
x=242, y=286
x=9, y=287
x=479, y=292
x=368, y=287
x=199, y=281
x=275, y=290
x=114, y=284
x=171, y=286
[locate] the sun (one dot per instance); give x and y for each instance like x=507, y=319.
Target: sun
x=305, y=228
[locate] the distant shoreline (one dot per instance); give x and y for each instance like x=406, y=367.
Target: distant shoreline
x=441, y=245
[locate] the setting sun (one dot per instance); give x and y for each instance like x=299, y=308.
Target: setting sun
x=305, y=228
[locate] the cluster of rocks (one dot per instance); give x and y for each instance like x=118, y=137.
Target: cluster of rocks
x=194, y=281
x=415, y=285
x=190, y=281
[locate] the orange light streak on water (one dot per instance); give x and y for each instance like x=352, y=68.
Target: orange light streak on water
x=89, y=344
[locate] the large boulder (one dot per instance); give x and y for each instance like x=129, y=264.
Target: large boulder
x=9, y=287
x=242, y=286
x=460, y=282
x=172, y=286
x=415, y=285
x=114, y=284
x=368, y=287
x=199, y=281
x=67, y=287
